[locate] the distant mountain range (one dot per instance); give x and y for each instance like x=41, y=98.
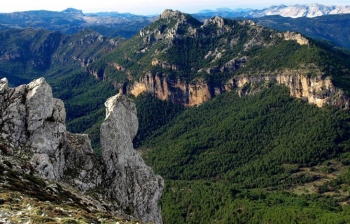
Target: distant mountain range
x=333, y=28
x=112, y=24
x=71, y=21
x=293, y=11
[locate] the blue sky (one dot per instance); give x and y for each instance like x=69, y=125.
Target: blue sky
x=148, y=7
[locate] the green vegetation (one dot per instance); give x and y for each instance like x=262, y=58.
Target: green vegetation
x=245, y=140
x=242, y=160
x=221, y=202
x=152, y=114
x=195, y=52
x=315, y=59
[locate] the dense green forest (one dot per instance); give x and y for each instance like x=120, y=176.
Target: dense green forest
x=221, y=202
x=236, y=138
x=68, y=62
x=240, y=160
x=153, y=114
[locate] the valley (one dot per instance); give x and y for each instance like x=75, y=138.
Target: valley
x=246, y=124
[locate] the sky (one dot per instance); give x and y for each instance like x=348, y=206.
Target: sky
x=149, y=7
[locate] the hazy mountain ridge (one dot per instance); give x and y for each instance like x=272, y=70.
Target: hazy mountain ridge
x=333, y=28
x=114, y=24
x=293, y=11
x=71, y=21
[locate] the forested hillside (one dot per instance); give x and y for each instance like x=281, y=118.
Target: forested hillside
x=234, y=138
x=255, y=159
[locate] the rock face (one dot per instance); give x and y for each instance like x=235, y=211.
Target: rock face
x=315, y=90
x=31, y=117
x=32, y=126
x=297, y=37
x=130, y=179
x=181, y=92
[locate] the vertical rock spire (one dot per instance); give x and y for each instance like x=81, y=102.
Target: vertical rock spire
x=131, y=181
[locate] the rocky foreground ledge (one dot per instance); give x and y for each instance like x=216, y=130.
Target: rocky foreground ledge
x=34, y=139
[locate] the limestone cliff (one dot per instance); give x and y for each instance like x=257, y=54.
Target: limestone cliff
x=32, y=128
x=181, y=92
x=297, y=37
x=317, y=90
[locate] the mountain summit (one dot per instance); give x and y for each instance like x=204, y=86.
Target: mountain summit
x=73, y=11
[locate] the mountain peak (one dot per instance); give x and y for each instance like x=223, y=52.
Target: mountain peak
x=169, y=13
x=217, y=20
x=73, y=11
x=170, y=25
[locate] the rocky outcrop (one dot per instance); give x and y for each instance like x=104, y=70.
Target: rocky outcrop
x=3, y=85
x=129, y=178
x=177, y=26
x=297, y=37
x=31, y=117
x=316, y=90
x=164, y=64
x=32, y=126
x=234, y=64
x=177, y=91
x=217, y=20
